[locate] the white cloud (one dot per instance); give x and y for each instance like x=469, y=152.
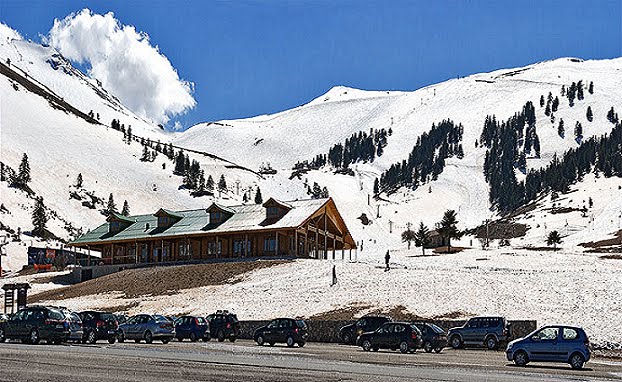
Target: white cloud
x=8, y=33
x=125, y=62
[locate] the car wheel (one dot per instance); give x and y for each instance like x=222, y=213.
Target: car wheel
x=577, y=361
x=347, y=338
x=166, y=340
x=57, y=341
x=137, y=340
x=271, y=343
x=366, y=345
x=2, y=336
x=521, y=358
x=260, y=340
x=375, y=348
x=121, y=337
x=193, y=337
x=290, y=342
x=221, y=336
x=438, y=349
x=456, y=342
x=91, y=337
x=232, y=339
x=207, y=339
x=180, y=339
x=301, y=344
x=492, y=343
x=34, y=337
x=148, y=337
x=404, y=347
x=427, y=346
x=112, y=339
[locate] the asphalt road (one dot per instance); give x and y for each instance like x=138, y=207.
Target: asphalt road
x=244, y=361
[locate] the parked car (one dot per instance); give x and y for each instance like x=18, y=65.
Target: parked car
x=99, y=326
x=148, y=328
x=76, y=332
x=349, y=333
x=392, y=335
x=193, y=328
x=283, y=330
x=3, y=319
x=558, y=343
x=37, y=323
x=224, y=324
x=434, y=338
x=487, y=331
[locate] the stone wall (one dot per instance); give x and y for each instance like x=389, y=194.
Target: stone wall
x=328, y=331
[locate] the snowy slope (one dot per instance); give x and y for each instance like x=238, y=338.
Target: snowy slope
x=61, y=145
x=303, y=132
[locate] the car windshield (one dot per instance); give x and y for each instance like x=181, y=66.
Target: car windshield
x=233, y=318
x=437, y=329
x=200, y=320
x=108, y=317
x=301, y=324
x=55, y=314
x=159, y=318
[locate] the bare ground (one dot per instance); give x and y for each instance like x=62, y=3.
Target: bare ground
x=157, y=280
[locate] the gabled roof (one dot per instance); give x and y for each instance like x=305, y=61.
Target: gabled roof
x=273, y=201
x=195, y=222
x=118, y=217
x=219, y=207
x=169, y=213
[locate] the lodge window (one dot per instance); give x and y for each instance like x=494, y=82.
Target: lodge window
x=272, y=212
x=115, y=226
x=214, y=248
x=269, y=244
x=164, y=221
x=215, y=217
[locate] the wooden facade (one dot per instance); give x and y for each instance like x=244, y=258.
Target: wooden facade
x=321, y=235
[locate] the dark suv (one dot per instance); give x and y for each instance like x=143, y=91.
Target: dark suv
x=488, y=331
x=37, y=323
x=349, y=333
x=99, y=326
x=392, y=335
x=287, y=330
x=224, y=324
x=3, y=319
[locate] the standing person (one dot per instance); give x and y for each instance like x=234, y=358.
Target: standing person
x=387, y=258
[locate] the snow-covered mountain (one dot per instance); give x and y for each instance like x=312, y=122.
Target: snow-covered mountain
x=302, y=133
x=61, y=144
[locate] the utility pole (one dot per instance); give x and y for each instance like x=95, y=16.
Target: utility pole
x=390, y=226
x=378, y=211
x=487, y=234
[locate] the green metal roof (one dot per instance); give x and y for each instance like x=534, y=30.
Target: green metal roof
x=245, y=218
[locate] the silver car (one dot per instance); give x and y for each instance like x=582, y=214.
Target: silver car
x=147, y=327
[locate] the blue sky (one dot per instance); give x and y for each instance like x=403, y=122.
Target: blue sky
x=255, y=57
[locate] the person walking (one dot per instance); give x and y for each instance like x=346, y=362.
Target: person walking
x=387, y=258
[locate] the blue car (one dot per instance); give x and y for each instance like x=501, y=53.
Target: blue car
x=555, y=343
x=193, y=328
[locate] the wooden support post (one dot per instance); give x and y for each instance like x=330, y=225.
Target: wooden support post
x=88, y=260
x=333, y=248
x=276, y=250
x=136, y=251
x=296, y=242
x=307, y=240
x=325, y=238
x=217, y=248
x=316, y=255
x=161, y=252
x=245, y=253
x=111, y=253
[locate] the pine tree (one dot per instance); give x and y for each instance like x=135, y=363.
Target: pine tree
x=589, y=115
x=245, y=197
x=555, y=104
x=578, y=132
x=580, y=90
x=23, y=174
x=146, y=157
x=553, y=239
x=258, y=197
x=324, y=192
x=316, y=192
x=209, y=184
x=422, y=237
x=79, y=181
x=408, y=236
x=129, y=135
x=200, y=189
x=111, y=207
x=547, y=110
x=590, y=88
x=222, y=184
x=180, y=163
x=448, y=228
x=39, y=218
x=541, y=100
x=560, y=129
x=126, y=209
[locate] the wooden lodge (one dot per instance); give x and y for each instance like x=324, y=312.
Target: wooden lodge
x=302, y=228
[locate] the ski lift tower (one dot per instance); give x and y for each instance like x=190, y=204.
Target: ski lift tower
x=9, y=296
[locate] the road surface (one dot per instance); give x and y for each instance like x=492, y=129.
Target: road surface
x=245, y=361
